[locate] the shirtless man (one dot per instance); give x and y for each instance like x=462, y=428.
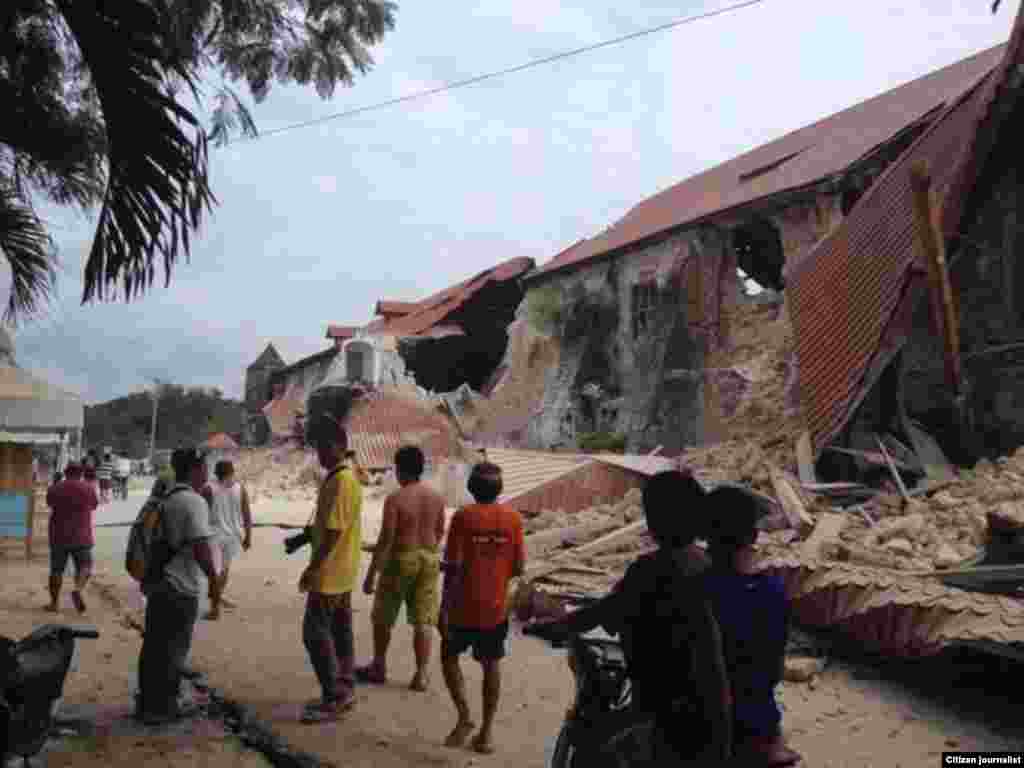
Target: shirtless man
x=407, y=556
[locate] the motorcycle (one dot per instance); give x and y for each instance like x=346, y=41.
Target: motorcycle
x=601, y=728
x=32, y=674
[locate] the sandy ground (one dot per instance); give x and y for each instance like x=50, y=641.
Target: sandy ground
x=853, y=717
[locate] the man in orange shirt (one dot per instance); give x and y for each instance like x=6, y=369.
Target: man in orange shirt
x=484, y=551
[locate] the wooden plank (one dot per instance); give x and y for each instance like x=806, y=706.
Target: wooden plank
x=829, y=526
x=557, y=560
x=789, y=498
x=805, y=458
x=893, y=470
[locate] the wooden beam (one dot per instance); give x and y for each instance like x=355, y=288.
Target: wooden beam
x=926, y=214
x=893, y=470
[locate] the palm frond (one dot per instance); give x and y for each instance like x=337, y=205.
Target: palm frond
x=157, y=185
x=29, y=252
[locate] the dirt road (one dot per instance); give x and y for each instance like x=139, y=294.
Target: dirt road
x=850, y=719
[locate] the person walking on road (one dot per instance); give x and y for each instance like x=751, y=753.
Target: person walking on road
x=172, y=605
x=485, y=550
x=72, y=502
x=231, y=520
x=407, y=558
x=329, y=579
x=105, y=474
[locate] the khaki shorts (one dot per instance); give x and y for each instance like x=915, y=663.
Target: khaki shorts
x=412, y=578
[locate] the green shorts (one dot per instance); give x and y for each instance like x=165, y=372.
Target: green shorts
x=411, y=578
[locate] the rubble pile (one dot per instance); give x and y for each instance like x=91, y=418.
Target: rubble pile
x=283, y=473
x=520, y=388
x=625, y=511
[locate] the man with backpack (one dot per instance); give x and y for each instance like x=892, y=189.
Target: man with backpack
x=177, y=560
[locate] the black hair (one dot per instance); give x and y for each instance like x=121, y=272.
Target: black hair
x=409, y=461
x=485, y=483
x=672, y=505
x=732, y=516
x=184, y=460
x=329, y=431
x=224, y=469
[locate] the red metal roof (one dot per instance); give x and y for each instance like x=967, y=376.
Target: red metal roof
x=397, y=308
x=843, y=294
x=433, y=310
x=799, y=159
x=380, y=423
x=341, y=331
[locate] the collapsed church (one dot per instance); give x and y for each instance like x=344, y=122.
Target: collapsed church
x=870, y=256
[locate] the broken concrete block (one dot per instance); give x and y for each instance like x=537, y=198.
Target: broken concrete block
x=1007, y=515
x=802, y=669
x=826, y=532
x=633, y=513
x=900, y=547
x=946, y=557
x=908, y=526
x=945, y=500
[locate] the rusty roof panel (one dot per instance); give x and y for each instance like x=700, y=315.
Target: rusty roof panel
x=799, y=159
x=844, y=292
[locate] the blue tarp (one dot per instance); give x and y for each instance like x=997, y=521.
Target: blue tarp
x=13, y=515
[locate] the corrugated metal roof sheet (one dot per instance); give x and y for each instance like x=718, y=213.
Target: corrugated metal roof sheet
x=385, y=307
x=843, y=293
x=799, y=159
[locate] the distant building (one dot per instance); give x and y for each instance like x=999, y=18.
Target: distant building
x=258, y=393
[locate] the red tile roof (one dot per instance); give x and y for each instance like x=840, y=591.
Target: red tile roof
x=341, y=331
x=798, y=159
x=844, y=293
x=380, y=423
x=434, y=310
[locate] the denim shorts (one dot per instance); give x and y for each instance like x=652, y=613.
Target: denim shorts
x=59, y=555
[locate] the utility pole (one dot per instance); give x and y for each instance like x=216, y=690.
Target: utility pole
x=157, y=383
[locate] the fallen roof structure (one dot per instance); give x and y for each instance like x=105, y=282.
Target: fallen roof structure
x=851, y=296
x=818, y=153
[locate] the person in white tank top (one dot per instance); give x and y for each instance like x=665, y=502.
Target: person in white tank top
x=231, y=520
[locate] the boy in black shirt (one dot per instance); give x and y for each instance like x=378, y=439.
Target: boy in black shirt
x=667, y=628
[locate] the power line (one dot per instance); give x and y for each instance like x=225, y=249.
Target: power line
x=508, y=71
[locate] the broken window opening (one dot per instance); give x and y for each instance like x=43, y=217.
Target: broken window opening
x=644, y=304
x=759, y=254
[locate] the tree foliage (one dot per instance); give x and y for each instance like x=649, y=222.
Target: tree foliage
x=95, y=116
x=185, y=416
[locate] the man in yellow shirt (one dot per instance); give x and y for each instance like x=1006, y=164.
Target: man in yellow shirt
x=330, y=578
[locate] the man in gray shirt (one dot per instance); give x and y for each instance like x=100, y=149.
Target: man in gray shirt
x=172, y=606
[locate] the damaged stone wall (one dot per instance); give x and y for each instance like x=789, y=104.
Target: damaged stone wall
x=624, y=322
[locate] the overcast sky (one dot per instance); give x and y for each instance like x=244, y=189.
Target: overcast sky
x=316, y=224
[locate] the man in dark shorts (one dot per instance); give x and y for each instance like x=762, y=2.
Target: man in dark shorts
x=72, y=502
x=484, y=552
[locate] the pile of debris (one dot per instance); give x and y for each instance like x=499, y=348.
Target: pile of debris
x=283, y=473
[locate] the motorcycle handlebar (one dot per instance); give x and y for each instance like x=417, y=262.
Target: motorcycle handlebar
x=89, y=634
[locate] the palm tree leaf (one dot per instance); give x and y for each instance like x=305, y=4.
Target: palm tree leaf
x=29, y=252
x=157, y=186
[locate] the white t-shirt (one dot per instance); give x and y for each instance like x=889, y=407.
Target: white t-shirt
x=226, y=511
